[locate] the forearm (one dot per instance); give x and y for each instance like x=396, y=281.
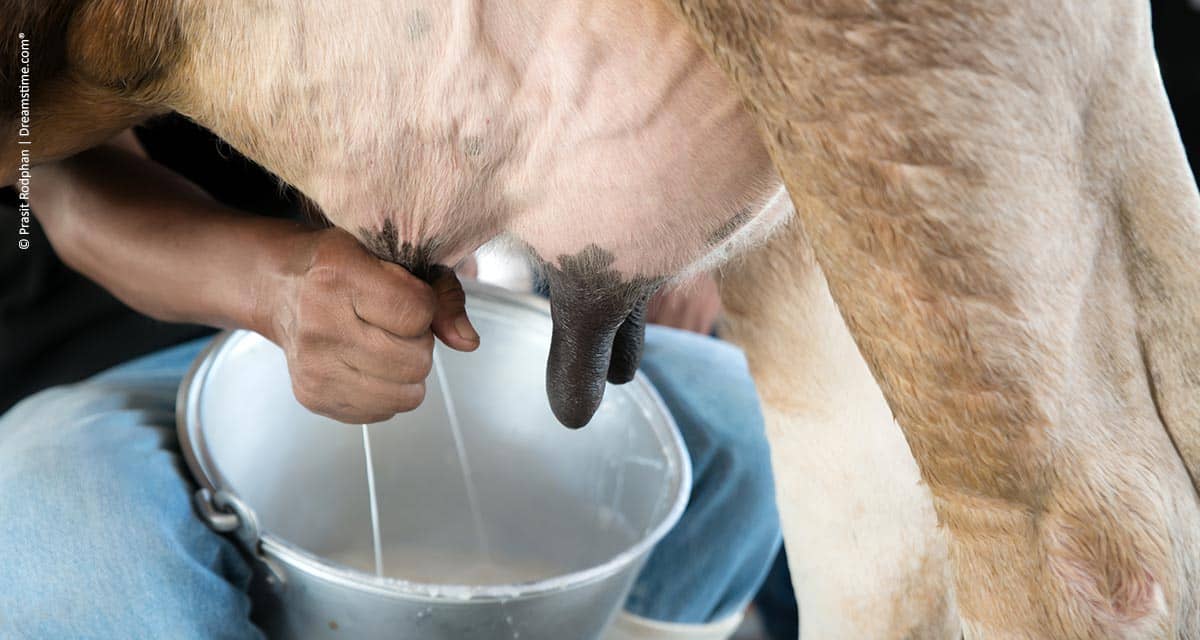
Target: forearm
x=158, y=242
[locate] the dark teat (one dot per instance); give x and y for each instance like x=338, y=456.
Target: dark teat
x=599, y=326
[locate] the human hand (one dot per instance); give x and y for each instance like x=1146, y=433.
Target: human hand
x=358, y=331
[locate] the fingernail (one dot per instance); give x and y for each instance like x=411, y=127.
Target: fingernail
x=465, y=330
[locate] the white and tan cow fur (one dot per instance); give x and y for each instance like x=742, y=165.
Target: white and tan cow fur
x=998, y=198
x=1003, y=235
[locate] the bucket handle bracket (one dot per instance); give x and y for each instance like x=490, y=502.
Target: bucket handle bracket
x=224, y=512
x=221, y=521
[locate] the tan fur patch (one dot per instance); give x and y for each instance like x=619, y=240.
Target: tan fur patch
x=99, y=67
x=868, y=560
x=959, y=169
x=126, y=46
x=42, y=23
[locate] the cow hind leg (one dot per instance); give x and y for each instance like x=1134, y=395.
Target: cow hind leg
x=1009, y=257
x=866, y=557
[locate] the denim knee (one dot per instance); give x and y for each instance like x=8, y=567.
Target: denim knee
x=712, y=563
x=99, y=537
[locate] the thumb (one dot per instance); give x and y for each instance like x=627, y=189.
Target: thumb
x=450, y=323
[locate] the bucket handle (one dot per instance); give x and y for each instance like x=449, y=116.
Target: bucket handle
x=224, y=512
x=217, y=520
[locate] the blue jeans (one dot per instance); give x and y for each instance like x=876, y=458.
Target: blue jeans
x=98, y=538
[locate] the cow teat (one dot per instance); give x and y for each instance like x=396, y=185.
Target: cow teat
x=599, y=324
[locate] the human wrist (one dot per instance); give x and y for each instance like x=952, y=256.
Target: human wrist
x=282, y=255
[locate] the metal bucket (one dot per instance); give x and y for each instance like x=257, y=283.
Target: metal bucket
x=565, y=518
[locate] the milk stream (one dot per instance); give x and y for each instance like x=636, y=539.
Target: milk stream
x=464, y=463
x=375, y=537
x=464, y=466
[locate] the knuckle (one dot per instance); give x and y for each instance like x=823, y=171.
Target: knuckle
x=304, y=388
x=424, y=306
x=422, y=364
x=353, y=410
x=366, y=412
x=410, y=397
x=421, y=293
x=308, y=398
x=350, y=412
x=411, y=358
x=309, y=379
x=415, y=313
x=299, y=374
x=309, y=358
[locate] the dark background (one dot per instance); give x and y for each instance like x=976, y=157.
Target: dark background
x=58, y=327
x=1177, y=39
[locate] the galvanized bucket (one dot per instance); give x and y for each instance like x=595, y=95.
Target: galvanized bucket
x=563, y=519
